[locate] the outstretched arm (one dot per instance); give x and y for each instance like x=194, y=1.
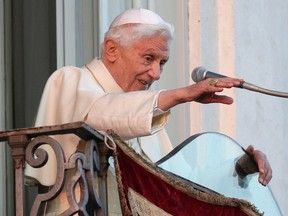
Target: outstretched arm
x=202, y=92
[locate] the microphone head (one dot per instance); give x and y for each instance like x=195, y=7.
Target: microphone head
x=198, y=74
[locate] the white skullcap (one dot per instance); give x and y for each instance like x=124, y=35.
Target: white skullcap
x=139, y=15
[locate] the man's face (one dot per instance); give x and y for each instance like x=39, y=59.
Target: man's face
x=141, y=64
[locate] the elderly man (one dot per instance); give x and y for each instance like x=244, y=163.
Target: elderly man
x=113, y=92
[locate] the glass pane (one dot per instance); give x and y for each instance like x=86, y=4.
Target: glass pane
x=209, y=159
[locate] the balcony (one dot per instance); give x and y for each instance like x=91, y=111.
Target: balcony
x=90, y=164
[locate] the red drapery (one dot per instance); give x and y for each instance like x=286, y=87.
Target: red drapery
x=145, y=189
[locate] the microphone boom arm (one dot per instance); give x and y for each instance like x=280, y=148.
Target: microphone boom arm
x=251, y=87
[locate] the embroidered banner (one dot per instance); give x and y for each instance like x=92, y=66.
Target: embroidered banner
x=146, y=189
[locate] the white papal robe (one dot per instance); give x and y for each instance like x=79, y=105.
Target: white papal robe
x=91, y=94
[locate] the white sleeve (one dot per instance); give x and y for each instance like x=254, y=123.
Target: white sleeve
x=128, y=114
x=157, y=110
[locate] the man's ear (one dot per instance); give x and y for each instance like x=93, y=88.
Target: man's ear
x=110, y=48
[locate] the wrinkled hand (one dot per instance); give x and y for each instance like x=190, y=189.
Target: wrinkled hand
x=265, y=170
x=206, y=91
x=202, y=92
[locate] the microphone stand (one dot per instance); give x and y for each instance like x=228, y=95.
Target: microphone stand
x=251, y=87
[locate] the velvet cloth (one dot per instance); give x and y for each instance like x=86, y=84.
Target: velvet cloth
x=145, y=189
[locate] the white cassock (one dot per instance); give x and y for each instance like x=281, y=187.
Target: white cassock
x=91, y=94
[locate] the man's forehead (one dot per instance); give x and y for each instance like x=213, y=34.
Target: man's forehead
x=158, y=49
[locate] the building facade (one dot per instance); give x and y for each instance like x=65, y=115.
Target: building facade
x=244, y=39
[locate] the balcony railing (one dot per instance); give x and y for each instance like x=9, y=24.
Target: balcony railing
x=133, y=173
x=92, y=161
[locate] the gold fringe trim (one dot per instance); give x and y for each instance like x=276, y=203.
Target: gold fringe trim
x=123, y=201
x=194, y=190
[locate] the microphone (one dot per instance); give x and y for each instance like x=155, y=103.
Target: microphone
x=201, y=73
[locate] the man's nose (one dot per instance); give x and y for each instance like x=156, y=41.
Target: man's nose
x=155, y=72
